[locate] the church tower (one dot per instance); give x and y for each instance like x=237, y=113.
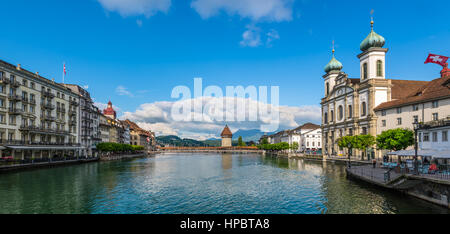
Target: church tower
x=332, y=70
x=373, y=57
x=109, y=111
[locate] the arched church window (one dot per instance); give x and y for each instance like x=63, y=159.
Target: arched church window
x=363, y=109
x=332, y=116
x=364, y=71
x=379, y=68
x=326, y=117
x=341, y=112
x=328, y=89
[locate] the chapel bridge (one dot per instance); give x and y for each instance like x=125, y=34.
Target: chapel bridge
x=240, y=149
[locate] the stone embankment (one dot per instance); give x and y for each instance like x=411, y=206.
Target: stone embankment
x=429, y=187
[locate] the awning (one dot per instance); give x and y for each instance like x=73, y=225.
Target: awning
x=422, y=153
x=56, y=147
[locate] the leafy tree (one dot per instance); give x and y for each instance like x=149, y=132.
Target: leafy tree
x=395, y=139
x=240, y=142
x=265, y=141
x=294, y=146
x=364, y=142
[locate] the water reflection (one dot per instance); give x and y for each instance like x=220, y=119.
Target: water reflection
x=197, y=184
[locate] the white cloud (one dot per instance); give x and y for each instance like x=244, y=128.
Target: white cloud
x=136, y=7
x=256, y=10
x=157, y=117
x=251, y=37
x=272, y=35
x=122, y=91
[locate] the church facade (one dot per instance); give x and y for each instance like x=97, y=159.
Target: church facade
x=349, y=104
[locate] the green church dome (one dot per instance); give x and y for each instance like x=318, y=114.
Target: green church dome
x=373, y=40
x=333, y=65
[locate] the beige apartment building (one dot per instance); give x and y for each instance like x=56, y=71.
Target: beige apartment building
x=38, y=117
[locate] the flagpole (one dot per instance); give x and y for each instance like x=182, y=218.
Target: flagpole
x=64, y=75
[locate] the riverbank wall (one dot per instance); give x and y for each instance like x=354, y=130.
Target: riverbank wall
x=124, y=156
x=431, y=188
x=28, y=166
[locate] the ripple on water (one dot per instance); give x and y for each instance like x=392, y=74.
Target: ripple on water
x=199, y=184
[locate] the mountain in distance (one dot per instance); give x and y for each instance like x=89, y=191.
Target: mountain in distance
x=175, y=141
x=249, y=135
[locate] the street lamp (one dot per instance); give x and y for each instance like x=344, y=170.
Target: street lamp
x=416, y=126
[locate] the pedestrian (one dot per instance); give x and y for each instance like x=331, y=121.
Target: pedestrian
x=374, y=163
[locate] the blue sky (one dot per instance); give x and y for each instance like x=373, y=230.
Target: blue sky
x=135, y=52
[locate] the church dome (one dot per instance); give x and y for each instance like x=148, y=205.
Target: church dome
x=333, y=65
x=373, y=40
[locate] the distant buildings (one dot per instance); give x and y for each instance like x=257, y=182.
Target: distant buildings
x=307, y=136
x=227, y=137
x=40, y=118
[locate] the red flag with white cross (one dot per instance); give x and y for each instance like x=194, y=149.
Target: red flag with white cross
x=438, y=59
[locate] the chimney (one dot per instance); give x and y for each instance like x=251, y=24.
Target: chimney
x=18, y=67
x=37, y=73
x=445, y=73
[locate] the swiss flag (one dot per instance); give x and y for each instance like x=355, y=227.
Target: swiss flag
x=438, y=59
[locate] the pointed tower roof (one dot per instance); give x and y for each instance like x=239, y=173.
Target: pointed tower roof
x=226, y=132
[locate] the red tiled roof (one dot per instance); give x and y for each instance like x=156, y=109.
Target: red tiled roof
x=414, y=93
x=402, y=88
x=226, y=132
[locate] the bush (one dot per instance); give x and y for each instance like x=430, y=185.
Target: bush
x=118, y=148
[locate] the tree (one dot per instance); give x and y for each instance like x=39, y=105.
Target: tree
x=294, y=146
x=395, y=139
x=240, y=142
x=265, y=141
x=364, y=142
x=348, y=142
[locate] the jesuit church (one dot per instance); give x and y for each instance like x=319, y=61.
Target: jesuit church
x=349, y=105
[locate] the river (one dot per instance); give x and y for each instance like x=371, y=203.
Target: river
x=200, y=184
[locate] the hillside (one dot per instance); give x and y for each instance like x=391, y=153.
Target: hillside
x=249, y=135
x=176, y=141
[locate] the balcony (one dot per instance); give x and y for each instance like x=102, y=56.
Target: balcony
x=30, y=101
x=47, y=94
x=72, y=113
x=48, y=117
x=73, y=103
x=43, y=129
x=72, y=122
x=15, y=83
x=15, y=111
x=14, y=97
x=3, y=80
x=44, y=143
x=48, y=106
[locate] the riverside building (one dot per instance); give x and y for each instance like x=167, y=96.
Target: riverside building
x=372, y=103
x=88, y=119
x=37, y=116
